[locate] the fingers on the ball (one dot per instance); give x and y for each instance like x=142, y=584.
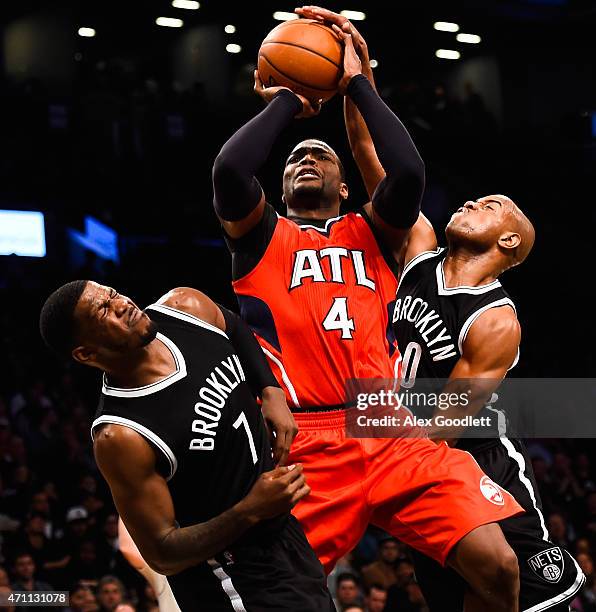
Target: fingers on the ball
x=338, y=31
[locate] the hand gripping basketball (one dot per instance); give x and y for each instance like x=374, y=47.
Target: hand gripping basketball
x=309, y=108
x=330, y=18
x=352, y=63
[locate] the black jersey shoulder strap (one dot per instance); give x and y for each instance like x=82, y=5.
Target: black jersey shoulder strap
x=170, y=466
x=438, y=253
x=186, y=317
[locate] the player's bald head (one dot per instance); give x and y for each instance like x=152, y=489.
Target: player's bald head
x=527, y=234
x=516, y=222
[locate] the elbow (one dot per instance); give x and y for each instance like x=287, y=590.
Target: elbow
x=164, y=564
x=408, y=174
x=416, y=171
x=161, y=566
x=413, y=179
x=168, y=566
x=165, y=569
x=160, y=557
x=224, y=168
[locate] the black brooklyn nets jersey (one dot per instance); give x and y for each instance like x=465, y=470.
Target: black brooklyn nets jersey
x=431, y=321
x=202, y=420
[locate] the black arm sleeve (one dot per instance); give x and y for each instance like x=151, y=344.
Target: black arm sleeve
x=253, y=360
x=397, y=197
x=236, y=190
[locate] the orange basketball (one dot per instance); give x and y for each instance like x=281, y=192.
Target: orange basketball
x=305, y=56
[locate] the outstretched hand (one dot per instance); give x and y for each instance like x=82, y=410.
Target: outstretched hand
x=309, y=108
x=352, y=63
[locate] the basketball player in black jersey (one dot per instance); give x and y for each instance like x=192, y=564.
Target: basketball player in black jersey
x=453, y=320
x=184, y=448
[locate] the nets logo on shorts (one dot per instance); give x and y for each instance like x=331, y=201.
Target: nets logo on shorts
x=548, y=564
x=491, y=491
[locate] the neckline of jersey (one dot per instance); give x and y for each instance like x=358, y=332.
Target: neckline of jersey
x=443, y=289
x=308, y=223
x=158, y=385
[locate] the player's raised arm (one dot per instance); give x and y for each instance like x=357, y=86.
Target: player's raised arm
x=143, y=501
x=361, y=143
x=422, y=236
x=280, y=423
x=489, y=351
x=404, y=168
x=238, y=198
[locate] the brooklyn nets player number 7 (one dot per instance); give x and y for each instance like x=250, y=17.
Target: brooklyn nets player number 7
x=183, y=446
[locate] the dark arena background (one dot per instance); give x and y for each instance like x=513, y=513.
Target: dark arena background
x=109, y=126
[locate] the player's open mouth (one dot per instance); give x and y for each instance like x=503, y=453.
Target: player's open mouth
x=307, y=173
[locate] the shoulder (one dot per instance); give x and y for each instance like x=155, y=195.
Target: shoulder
x=193, y=302
x=498, y=322
x=494, y=336
x=113, y=444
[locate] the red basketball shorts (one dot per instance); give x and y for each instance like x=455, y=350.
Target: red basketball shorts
x=426, y=495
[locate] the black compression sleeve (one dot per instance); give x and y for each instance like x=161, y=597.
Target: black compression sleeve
x=236, y=190
x=253, y=360
x=397, y=197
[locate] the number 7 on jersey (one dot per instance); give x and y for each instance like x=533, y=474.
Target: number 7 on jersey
x=241, y=420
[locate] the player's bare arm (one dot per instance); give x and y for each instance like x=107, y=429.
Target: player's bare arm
x=489, y=351
x=143, y=501
x=421, y=238
x=279, y=421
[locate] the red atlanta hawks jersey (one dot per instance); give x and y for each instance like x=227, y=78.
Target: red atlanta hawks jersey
x=320, y=301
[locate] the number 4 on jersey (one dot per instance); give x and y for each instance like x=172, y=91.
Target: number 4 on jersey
x=337, y=318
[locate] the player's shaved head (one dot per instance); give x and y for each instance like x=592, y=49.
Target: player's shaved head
x=527, y=234
x=515, y=221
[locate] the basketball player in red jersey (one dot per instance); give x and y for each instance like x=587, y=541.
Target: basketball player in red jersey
x=311, y=286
